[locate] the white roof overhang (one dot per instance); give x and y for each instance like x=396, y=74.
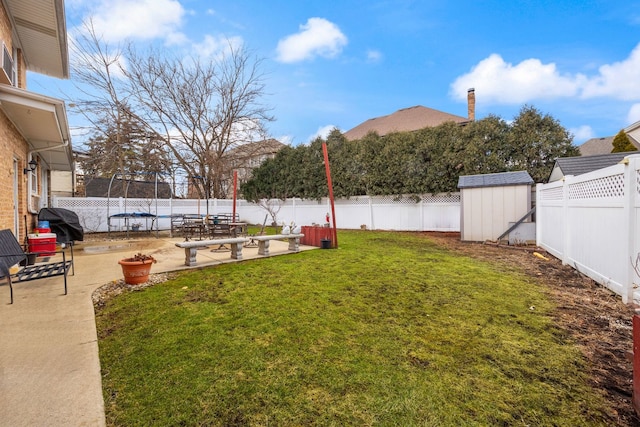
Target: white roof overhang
x=42, y=121
x=41, y=30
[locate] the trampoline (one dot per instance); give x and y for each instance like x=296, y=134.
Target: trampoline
x=128, y=216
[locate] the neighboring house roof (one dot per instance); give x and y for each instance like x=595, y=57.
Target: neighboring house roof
x=502, y=179
x=596, y=146
x=99, y=187
x=404, y=120
x=41, y=30
x=253, y=149
x=584, y=164
x=246, y=157
x=633, y=131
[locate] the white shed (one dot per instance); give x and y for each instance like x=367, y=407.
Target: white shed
x=490, y=203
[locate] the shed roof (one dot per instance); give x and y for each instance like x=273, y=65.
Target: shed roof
x=586, y=164
x=502, y=179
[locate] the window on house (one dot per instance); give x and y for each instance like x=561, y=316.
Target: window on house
x=8, y=72
x=15, y=67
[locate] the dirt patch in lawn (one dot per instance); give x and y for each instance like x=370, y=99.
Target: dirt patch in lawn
x=593, y=316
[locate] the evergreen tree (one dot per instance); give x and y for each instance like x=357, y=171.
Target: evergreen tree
x=426, y=161
x=125, y=147
x=622, y=143
x=536, y=141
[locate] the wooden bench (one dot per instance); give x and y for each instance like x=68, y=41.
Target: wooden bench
x=263, y=242
x=191, y=247
x=11, y=253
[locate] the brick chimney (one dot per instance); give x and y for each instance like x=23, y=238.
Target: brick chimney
x=471, y=104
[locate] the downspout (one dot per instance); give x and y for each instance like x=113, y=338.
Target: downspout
x=29, y=158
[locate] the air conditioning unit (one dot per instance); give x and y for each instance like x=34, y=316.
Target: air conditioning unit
x=7, y=75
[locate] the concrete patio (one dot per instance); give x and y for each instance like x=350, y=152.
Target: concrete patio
x=49, y=364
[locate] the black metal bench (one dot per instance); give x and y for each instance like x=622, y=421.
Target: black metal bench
x=11, y=253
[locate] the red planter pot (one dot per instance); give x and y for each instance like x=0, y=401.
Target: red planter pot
x=135, y=272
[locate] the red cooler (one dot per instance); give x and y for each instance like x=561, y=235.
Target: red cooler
x=42, y=243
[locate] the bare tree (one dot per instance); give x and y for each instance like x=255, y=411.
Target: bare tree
x=204, y=108
x=93, y=67
x=199, y=108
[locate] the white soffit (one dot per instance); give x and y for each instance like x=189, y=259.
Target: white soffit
x=42, y=122
x=42, y=35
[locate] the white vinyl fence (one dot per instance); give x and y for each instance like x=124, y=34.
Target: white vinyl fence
x=592, y=223
x=431, y=213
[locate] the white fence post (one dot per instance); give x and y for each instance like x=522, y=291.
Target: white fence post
x=566, y=220
x=293, y=208
x=371, y=226
x=631, y=182
x=539, y=216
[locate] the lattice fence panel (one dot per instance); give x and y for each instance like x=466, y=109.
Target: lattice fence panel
x=413, y=200
x=441, y=198
x=178, y=204
x=305, y=202
x=552, y=194
x=608, y=187
x=354, y=201
x=82, y=203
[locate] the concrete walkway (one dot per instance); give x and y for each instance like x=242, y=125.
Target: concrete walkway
x=49, y=365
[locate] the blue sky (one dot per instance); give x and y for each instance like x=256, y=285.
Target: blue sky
x=337, y=64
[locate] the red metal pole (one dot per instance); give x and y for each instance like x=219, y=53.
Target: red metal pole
x=235, y=192
x=636, y=364
x=330, y=185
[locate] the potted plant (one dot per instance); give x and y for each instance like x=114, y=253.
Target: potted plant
x=136, y=268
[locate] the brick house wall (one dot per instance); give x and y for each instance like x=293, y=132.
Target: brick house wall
x=14, y=148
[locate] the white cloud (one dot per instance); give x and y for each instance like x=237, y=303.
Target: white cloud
x=318, y=37
x=322, y=132
x=374, y=55
x=176, y=39
x=620, y=80
x=634, y=114
x=217, y=46
x=500, y=82
x=117, y=62
x=582, y=133
x=118, y=20
x=504, y=83
x=285, y=139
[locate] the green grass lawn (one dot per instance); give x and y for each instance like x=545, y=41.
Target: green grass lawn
x=389, y=329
